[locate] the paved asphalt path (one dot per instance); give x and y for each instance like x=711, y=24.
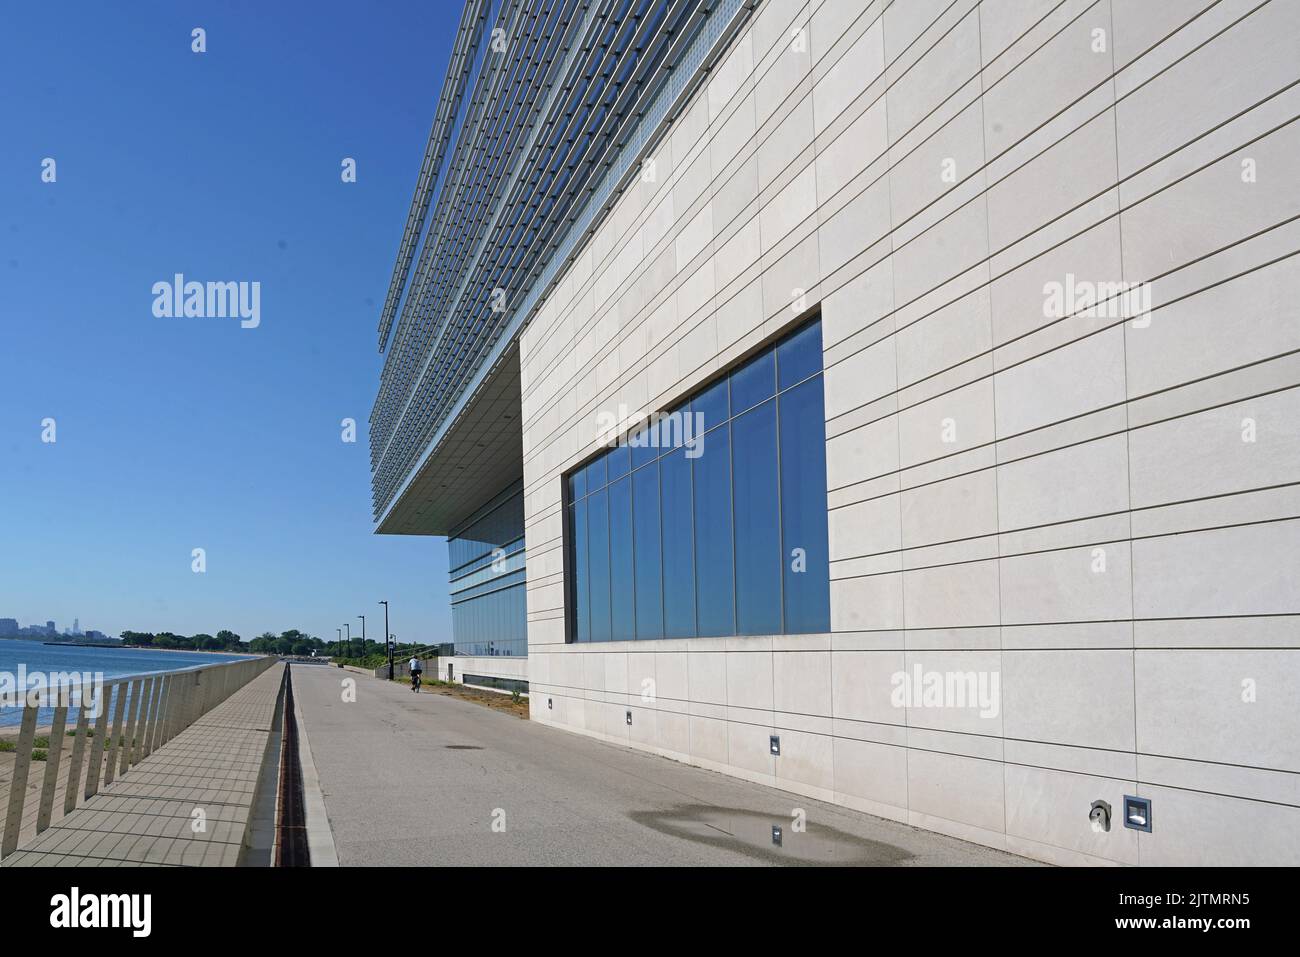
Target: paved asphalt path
x=419, y=780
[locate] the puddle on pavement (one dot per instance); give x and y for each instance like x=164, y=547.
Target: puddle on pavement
x=750, y=833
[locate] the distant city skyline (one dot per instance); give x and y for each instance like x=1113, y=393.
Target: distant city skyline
x=13, y=628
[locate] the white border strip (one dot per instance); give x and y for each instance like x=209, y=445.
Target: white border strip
x=320, y=838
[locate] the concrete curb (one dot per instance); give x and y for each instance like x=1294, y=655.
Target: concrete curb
x=320, y=837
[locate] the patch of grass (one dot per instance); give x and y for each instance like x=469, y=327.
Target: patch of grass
x=39, y=755
x=424, y=682
x=8, y=746
x=41, y=742
x=514, y=703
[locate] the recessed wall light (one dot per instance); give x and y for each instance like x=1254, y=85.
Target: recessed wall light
x=774, y=744
x=1137, y=813
x=629, y=717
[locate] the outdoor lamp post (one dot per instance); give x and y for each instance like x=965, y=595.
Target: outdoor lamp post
x=388, y=640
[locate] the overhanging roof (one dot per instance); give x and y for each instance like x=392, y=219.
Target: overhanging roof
x=530, y=153
x=479, y=456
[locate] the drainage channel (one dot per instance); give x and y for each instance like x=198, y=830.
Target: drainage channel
x=291, y=815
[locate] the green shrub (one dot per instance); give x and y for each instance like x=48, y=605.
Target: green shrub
x=8, y=746
x=39, y=755
x=41, y=742
x=369, y=661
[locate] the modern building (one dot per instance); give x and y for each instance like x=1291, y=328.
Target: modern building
x=891, y=402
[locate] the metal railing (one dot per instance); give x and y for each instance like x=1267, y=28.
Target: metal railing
x=147, y=712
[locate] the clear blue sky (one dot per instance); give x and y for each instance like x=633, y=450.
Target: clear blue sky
x=174, y=434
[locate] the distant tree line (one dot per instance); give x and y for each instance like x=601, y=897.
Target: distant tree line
x=291, y=642
x=373, y=653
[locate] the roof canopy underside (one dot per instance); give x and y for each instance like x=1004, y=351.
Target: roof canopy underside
x=480, y=455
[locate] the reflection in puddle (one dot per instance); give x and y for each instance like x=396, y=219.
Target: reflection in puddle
x=750, y=833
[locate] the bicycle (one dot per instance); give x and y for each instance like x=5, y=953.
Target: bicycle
x=415, y=681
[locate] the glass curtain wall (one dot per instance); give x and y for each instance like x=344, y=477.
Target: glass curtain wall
x=711, y=519
x=489, y=611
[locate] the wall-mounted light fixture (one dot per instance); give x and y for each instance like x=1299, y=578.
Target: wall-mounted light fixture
x=774, y=744
x=1137, y=813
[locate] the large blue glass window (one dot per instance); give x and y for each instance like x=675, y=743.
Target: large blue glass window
x=710, y=520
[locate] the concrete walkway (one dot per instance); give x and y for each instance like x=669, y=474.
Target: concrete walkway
x=421, y=779
x=146, y=816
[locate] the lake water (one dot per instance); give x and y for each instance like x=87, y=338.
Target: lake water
x=37, y=658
